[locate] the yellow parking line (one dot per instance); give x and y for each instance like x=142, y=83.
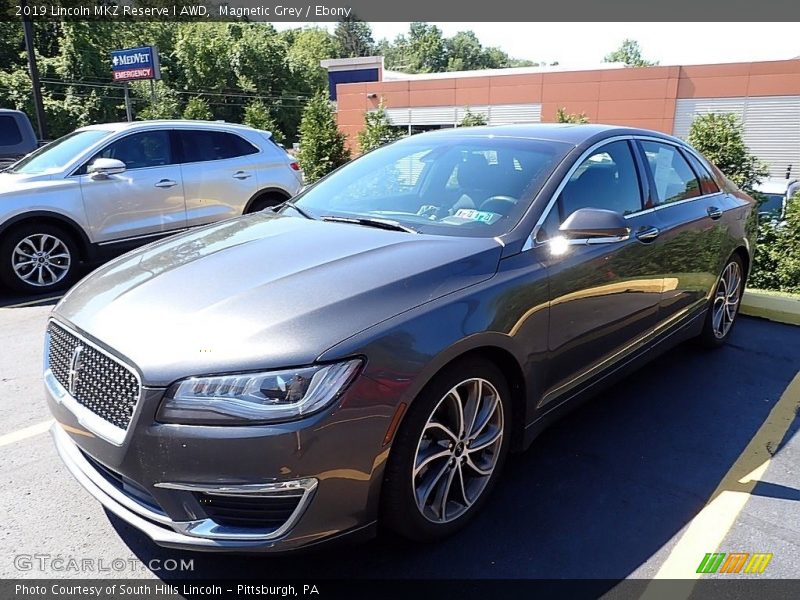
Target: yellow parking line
x=22, y=434
x=709, y=528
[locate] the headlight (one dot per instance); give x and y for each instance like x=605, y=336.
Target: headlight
x=253, y=398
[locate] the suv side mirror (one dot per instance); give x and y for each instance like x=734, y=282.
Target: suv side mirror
x=595, y=224
x=103, y=167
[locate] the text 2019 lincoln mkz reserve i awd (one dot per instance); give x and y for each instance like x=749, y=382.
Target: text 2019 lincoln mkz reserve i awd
x=371, y=352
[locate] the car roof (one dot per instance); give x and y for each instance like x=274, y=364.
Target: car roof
x=570, y=133
x=775, y=185
x=179, y=123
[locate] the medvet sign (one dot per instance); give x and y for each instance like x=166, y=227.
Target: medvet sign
x=132, y=64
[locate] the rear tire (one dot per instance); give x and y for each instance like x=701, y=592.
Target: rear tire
x=266, y=201
x=38, y=259
x=442, y=466
x=724, y=305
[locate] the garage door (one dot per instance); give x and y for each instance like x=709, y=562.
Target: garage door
x=771, y=125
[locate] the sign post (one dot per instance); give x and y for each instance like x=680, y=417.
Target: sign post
x=135, y=64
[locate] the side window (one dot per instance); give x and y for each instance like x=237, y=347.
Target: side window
x=607, y=179
x=202, y=146
x=673, y=177
x=9, y=131
x=140, y=150
x=707, y=183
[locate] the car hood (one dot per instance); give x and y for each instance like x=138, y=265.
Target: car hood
x=12, y=184
x=264, y=291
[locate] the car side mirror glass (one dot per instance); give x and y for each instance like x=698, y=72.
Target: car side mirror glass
x=595, y=224
x=102, y=168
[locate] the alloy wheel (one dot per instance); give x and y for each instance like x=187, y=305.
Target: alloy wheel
x=726, y=299
x=41, y=260
x=458, y=450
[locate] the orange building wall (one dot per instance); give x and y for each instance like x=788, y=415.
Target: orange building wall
x=636, y=97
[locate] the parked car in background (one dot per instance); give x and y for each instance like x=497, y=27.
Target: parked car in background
x=777, y=192
x=425, y=309
x=107, y=188
x=16, y=136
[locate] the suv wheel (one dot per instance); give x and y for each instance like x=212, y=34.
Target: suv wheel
x=266, y=201
x=448, y=453
x=37, y=259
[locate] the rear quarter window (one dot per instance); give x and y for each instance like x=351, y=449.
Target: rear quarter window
x=10, y=135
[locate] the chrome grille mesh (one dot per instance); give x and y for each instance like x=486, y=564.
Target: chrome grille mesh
x=102, y=385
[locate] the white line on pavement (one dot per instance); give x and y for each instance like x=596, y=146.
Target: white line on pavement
x=27, y=432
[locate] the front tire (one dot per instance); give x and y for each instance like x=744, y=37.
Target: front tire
x=724, y=305
x=448, y=453
x=38, y=259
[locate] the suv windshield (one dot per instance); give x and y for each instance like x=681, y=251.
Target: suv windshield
x=457, y=185
x=55, y=155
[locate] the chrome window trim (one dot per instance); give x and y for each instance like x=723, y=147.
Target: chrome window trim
x=93, y=422
x=531, y=241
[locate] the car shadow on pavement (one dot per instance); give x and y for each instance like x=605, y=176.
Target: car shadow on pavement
x=596, y=495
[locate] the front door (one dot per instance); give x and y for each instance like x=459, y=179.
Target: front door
x=604, y=294
x=145, y=199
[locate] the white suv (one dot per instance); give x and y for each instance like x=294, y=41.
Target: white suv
x=107, y=188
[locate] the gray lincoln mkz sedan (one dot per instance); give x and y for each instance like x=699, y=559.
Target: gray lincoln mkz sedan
x=369, y=353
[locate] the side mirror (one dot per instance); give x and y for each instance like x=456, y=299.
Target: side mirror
x=595, y=224
x=103, y=167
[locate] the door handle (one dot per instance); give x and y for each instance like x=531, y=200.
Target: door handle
x=241, y=175
x=166, y=183
x=647, y=234
x=714, y=212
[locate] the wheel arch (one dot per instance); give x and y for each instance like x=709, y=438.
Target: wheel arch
x=50, y=218
x=744, y=255
x=264, y=193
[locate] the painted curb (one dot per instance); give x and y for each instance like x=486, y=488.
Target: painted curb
x=774, y=308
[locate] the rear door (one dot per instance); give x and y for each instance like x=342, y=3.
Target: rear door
x=219, y=174
x=604, y=294
x=692, y=220
x=146, y=199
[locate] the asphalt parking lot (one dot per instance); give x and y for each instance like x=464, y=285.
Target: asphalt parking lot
x=697, y=452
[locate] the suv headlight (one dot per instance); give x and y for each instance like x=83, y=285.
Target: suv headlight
x=256, y=398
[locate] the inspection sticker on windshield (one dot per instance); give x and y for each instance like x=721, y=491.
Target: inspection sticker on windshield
x=476, y=215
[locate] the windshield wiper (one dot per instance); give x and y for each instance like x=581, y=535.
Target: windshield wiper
x=371, y=222
x=291, y=204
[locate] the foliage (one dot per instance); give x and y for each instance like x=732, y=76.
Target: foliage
x=629, y=53
x=198, y=110
x=166, y=105
x=322, y=145
x=720, y=138
x=257, y=115
x=562, y=116
x=377, y=130
x=472, y=119
x=776, y=265
x=352, y=38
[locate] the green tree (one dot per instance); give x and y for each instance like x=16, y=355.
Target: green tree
x=322, y=145
x=353, y=37
x=720, y=138
x=257, y=115
x=166, y=105
x=377, y=130
x=776, y=265
x=306, y=48
x=472, y=119
x=197, y=109
x=423, y=50
x=629, y=53
x=562, y=116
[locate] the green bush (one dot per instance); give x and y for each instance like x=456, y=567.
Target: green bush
x=377, y=130
x=472, y=119
x=322, y=145
x=777, y=260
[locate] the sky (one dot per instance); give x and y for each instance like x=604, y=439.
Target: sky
x=585, y=44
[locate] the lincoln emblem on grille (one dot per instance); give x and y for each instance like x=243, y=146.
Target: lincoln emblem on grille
x=74, y=369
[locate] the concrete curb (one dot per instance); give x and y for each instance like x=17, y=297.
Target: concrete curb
x=775, y=308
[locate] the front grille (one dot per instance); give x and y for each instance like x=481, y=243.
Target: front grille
x=101, y=384
x=263, y=512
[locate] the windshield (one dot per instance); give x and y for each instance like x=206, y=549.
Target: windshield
x=55, y=155
x=459, y=185
x=772, y=203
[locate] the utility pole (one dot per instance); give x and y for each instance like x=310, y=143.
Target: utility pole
x=27, y=27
